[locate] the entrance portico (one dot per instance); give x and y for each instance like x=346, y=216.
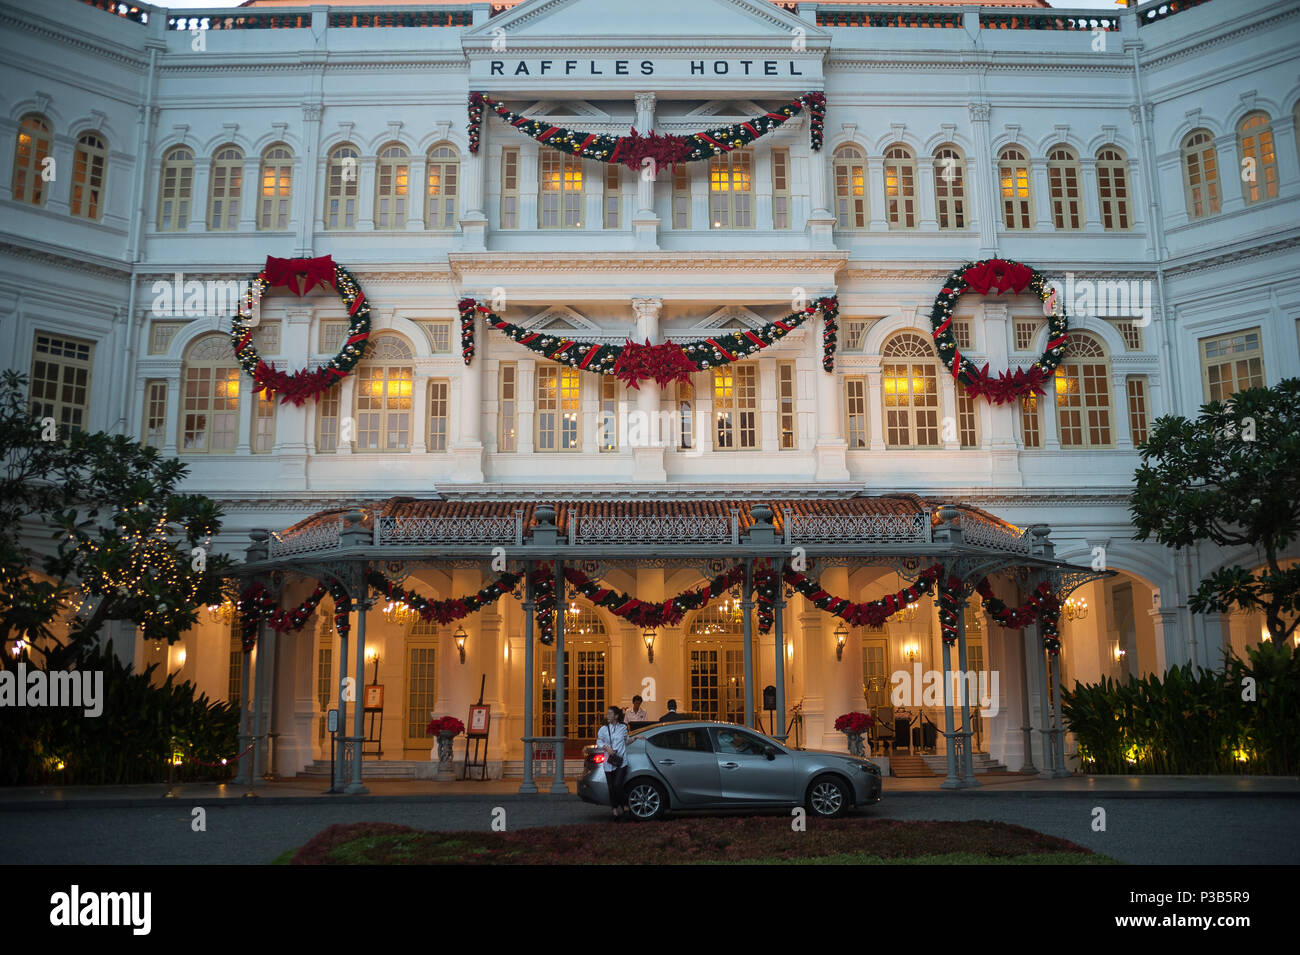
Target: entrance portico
x=714, y=660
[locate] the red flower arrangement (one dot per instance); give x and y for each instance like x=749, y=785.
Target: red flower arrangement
x=854, y=722
x=445, y=724
x=664, y=363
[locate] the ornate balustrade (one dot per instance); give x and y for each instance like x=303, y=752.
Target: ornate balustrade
x=875, y=528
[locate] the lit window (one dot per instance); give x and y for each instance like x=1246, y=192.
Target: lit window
x=559, y=405
x=735, y=407
x=1083, y=395
x=1258, y=160
x=900, y=187
x=1013, y=175
x=731, y=185
x=443, y=184
x=210, y=404
x=384, y=396
x=559, y=200
x=31, y=149
x=850, y=188
x=910, y=389
x=1200, y=174
x=88, y=173
x=392, y=186
x=277, y=186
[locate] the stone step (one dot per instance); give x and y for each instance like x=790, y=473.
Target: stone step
x=980, y=762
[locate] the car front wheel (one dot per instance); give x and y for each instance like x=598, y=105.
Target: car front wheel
x=646, y=800
x=828, y=797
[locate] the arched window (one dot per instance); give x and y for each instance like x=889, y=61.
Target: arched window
x=731, y=190
x=1017, y=201
x=1083, y=394
x=1258, y=159
x=392, y=186
x=1200, y=174
x=443, y=179
x=210, y=402
x=900, y=187
x=559, y=200
x=175, y=188
x=225, y=187
x=850, y=188
x=341, y=175
x=384, y=394
x=1112, y=188
x=89, y=165
x=910, y=382
x=950, y=187
x=1063, y=187
x=277, y=187
x=31, y=149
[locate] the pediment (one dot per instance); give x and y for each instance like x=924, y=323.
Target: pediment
x=561, y=319
x=576, y=20
x=733, y=317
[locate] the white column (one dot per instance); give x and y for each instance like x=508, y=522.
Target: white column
x=526, y=404
x=1041, y=196
x=1090, y=198
x=831, y=444
x=468, y=450
x=876, y=194
x=199, y=196
x=528, y=152
x=250, y=194
x=366, y=194
x=305, y=207
x=980, y=177
x=648, y=461
x=347, y=412
x=473, y=218
x=875, y=405
x=767, y=405
x=1119, y=414
x=415, y=195
x=645, y=223
x=420, y=408
x=999, y=432
x=925, y=183
x=175, y=397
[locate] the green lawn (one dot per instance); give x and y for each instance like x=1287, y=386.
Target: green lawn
x=742, y=841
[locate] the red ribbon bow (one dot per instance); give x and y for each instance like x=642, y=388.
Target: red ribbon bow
x=998, y=275
x=300, y=275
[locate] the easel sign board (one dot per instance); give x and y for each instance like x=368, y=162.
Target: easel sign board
x=480, y=718
x=332, y=719
x=374, y=698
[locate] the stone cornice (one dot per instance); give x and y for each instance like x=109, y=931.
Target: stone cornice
x=462, y=262
x=50, y=255
x=61, y=34
x=1202, y=42
x=1229, y=255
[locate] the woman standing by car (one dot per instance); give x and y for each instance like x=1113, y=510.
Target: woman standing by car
x=612, y=740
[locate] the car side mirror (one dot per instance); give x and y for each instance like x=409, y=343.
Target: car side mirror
x=769, y=752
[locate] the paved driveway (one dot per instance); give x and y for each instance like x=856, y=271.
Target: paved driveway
x=1165, y=829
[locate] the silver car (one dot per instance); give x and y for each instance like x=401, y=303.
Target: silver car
x=708, y=765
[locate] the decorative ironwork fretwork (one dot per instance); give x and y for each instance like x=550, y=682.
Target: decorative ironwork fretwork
x=879, y=528
x=450, y=530
x=978, y=533
x=322, y=536
x=693, y=529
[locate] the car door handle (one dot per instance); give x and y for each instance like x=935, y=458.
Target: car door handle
x=731, y=765
x=667, y=762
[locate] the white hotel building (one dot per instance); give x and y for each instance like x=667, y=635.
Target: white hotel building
x=1106, y=145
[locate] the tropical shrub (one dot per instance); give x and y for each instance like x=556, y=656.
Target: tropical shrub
x=1243, y=719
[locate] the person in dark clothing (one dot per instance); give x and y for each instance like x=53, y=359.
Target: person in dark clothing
x=672, y=713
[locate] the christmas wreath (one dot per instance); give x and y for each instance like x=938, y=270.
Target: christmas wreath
x=633, y=363
x=870, y=614
x=299, y=276
x=995, y=276
x=665, y=150
x=448, y=610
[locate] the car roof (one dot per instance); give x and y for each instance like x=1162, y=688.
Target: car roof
x=684, y=724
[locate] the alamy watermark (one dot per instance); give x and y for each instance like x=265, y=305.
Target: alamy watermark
x=1107, y=298
x=76, y=688
x=925, y=688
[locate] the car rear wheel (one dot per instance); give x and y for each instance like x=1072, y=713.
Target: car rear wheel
x=828, y=797
x=645, y=800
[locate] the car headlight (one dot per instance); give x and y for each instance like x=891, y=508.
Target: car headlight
x=871, y=768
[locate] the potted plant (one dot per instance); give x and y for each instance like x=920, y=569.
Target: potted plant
x=446, y=728
x=854, y=725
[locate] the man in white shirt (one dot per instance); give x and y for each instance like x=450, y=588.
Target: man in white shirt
x=636, y=714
